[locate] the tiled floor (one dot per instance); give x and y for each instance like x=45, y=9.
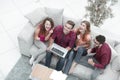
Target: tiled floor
x=12, y=20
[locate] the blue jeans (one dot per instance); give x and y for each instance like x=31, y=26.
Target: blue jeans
x=60, y=62
x=69, y=62
x=83, y=60
x=80, y=52
x=48, y=58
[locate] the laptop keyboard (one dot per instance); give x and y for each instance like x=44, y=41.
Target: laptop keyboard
x=58, y=51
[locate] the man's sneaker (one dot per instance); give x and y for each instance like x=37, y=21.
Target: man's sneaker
x=31, y=60
x=34, y=63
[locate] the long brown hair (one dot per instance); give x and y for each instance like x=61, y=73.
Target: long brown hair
x=42, y=25
x=87, y=29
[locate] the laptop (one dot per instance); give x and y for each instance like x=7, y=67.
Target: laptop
x=58, y=50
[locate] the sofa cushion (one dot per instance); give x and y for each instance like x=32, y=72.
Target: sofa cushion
x=55, y=14
x=108, y=74
x=94, y=31
x=117, y=48
x=116, y=63
x=76, y=21
x=113, y=43
x=27, y=32
x=114, y=54
x=119, y=78
x=84, y=73
x=81, y=70
x=36, y=16
x=25, y=39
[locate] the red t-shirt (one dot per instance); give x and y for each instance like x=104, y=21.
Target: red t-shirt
x=63, y=40
x=42, y=37
x=103, y=55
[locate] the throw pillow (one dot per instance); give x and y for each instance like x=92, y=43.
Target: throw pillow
x=55, y=14
x=111, y=42
x=114, y=54
x=119, y=78
x=94, y=33
x=117, y=48
x=76, y=21
x=36, y=16
x=115, y=65
x=81, y=70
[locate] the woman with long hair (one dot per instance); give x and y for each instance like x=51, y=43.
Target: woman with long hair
x=41, y=36
x=82, y=41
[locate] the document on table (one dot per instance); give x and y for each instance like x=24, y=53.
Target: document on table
x=58, y=75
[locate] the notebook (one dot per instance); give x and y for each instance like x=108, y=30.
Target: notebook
x=56, y=74
x=58, y=50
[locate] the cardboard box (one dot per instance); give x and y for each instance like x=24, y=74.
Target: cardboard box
x=41, y=72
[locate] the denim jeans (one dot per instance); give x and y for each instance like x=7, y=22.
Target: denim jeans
x=80, y=52
x=69, y=62
x=48, y=58
x=60, y=62
x=83, y=60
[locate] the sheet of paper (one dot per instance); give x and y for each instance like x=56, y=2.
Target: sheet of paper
x=58, y=75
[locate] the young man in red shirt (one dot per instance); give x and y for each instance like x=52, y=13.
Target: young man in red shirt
x=65, y=37
x=99, y=61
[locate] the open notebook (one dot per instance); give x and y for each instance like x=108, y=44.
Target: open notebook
x=58, y=50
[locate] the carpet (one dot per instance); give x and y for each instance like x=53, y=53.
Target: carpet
x=21, y=70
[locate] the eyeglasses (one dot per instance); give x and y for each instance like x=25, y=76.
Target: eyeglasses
x=95, y=41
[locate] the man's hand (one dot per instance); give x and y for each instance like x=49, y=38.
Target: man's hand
x=76, y=48
x=90, y=61
x=48, y=49
x=89, y=51
x=78, y=36
x=51, y=31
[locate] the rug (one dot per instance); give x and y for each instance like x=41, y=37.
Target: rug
x=21, y=70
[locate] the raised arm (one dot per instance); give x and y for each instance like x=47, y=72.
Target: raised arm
x=49, y=34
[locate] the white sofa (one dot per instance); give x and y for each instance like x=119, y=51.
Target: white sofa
x=27, y=44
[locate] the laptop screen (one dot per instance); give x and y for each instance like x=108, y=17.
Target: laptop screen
x=58, y=50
